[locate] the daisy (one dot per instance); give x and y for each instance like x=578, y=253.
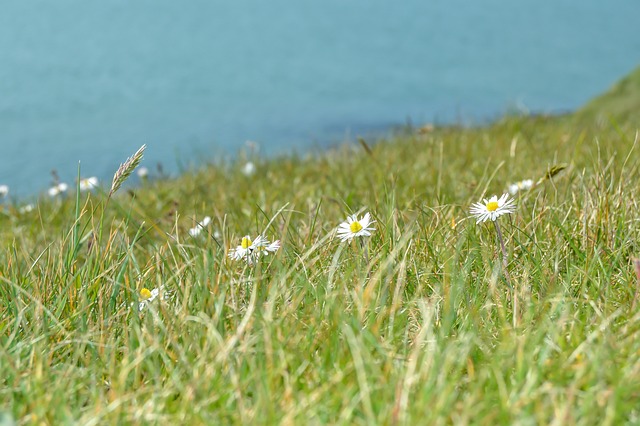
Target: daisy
x=249, y=169
x=523, y=185
x=354, y=227
x=58, y=189
x=492, y=208
x=143, y=172
x=88, y=184
x=4, y=191
x=267, y=248
x=147, y=296
x=247, y=249
x=195, y=231
x=27, y=208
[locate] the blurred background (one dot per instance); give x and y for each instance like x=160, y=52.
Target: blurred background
x=91, y=81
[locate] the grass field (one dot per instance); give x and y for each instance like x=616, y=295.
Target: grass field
x=418, y=324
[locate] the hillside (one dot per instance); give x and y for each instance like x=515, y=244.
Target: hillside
x=620, y=103
x=121, y=310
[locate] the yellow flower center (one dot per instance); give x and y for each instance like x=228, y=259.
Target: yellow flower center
x=246, y=243
x=145, y=294
x=355, y=227
x=492, y=206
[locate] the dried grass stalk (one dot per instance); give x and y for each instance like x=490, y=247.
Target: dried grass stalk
x=125, y=170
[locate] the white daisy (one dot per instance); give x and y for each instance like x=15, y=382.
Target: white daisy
x=268, y=248
x=27, y=208
x=58, y=189
x=523, y=185
x=4, y=191
x=195, y=231
x=88, y=184
x=143, y=172
x=492, y=208
x=247, y=250
x=147, y=296
x=249, y=169
x=354, y=227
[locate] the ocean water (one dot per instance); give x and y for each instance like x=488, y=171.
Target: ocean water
x=91, y=81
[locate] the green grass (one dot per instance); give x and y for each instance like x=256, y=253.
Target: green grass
x=621, y=103
x=423, y=328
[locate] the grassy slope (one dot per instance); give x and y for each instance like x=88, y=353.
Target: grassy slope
x=621, y=103
x=422, y=330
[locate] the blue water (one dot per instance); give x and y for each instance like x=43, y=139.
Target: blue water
x=91, y=81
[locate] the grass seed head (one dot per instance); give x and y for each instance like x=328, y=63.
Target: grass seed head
x=125, y=170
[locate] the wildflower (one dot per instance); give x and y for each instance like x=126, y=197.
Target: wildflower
x=147, y=296
x=354, y=227
x=249, y=169
x=523, y=185
x=27, y=208
x=492, y=208
x=143, y=172
x=4, y=191
x=195, y=231
x=248, y=249
x=88, y=184
x=267, y=248
x=58, y=189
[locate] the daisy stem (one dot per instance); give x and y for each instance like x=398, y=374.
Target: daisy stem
x=258, y=281
x=365, y=255
x=505, y=262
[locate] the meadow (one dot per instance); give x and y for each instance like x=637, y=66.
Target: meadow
x=422, y=322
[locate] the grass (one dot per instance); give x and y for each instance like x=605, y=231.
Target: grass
x=423, y=330
x=621, y=103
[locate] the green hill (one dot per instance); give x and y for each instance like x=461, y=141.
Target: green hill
x=124, y=310
x=621, y=103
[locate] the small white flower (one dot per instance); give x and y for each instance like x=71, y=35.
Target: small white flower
x=195, y=231
x=249, y=169
x=58, y=189
x=147, y=296
x=523, y=185
x=27, y=208
x=354, y=227
x=88, y=184
x=247, y=250
x=143, y=172
x=492, y=208
x=4, y=191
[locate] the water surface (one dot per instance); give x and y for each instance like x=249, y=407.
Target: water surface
x=91, y=81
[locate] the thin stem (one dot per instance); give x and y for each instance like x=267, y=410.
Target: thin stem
x=636, y=266
x=505, y=261
x=365, y=255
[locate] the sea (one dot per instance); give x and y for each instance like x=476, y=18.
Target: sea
x=84, y=83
